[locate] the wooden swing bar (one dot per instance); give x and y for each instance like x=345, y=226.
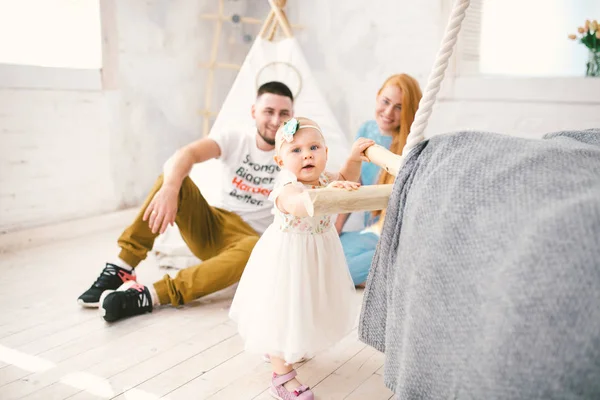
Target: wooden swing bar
x=329, y=201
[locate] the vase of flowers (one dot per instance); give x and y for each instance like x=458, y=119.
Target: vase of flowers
x=589, y=35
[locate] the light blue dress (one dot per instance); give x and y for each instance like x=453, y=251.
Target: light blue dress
x=359, y=247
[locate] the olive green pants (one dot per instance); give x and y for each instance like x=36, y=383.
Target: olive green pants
x=221, y=239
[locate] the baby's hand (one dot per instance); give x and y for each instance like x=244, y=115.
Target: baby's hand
x=357, y=153
x=344, y=185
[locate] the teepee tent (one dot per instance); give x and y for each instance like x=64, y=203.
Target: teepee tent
x=281, y=60
x=268, y=60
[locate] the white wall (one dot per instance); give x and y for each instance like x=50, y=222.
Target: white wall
x=350, y=46
x=519, y=118
x=54, y=150
x=49, y=118
x=162, y=86
x=353, y=47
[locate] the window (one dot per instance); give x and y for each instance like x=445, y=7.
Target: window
x=529, y=38
x=51, y=33
x=511, y=50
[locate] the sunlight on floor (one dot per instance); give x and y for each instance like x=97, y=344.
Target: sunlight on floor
x=24, y=361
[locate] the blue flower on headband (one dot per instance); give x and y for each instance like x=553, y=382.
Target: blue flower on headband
x=289, y=128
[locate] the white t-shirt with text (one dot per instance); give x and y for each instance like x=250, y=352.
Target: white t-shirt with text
x=248, y=177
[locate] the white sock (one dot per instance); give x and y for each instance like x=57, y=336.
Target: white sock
x=153, y=295
x=122, y=264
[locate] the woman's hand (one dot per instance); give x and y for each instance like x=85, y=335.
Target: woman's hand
x=357, y=153
x=348, y=185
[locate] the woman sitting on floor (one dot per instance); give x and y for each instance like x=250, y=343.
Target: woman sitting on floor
x=396, y=104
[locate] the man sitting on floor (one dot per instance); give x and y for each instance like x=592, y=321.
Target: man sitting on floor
x=223, y=237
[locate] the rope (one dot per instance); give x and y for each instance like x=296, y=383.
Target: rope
x=436, y=77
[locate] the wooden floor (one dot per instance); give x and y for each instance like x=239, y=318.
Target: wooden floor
x=50, y=348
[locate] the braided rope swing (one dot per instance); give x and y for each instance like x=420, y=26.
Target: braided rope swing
x=436, y=77
x=375, y=197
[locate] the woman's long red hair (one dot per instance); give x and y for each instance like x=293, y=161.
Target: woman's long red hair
x=411, y=96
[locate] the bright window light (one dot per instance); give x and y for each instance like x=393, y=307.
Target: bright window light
x=51, y=33
x=529, y=38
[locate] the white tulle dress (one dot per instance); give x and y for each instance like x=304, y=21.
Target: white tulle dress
x=296, y=295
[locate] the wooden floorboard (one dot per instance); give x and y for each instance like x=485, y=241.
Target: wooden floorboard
x=51, y=348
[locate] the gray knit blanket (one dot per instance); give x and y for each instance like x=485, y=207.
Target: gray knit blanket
x=486, y=281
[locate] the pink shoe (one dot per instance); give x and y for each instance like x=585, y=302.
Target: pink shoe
x=279, y=392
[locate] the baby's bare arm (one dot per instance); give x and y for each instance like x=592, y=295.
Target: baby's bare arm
x=295, y=201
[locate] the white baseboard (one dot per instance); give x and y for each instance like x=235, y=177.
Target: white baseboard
x=66, y=230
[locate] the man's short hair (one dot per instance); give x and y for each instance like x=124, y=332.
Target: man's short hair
x=275, y=87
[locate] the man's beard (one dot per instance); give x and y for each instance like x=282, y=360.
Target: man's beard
x=268, y=140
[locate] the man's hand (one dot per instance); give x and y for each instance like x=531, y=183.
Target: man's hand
x=162, y=210
x=344, y=185
x=357, y=153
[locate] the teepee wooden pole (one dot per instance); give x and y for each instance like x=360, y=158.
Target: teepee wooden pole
x=272, y=33
x=268, y=22
x=283, y=22
x=287, y=23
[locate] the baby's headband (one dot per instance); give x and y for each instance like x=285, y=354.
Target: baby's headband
x=291, y=127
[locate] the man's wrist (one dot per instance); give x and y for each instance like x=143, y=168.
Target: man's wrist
x=171, y=186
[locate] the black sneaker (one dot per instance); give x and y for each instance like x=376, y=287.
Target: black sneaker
x=130, y=299
x=110, y=279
